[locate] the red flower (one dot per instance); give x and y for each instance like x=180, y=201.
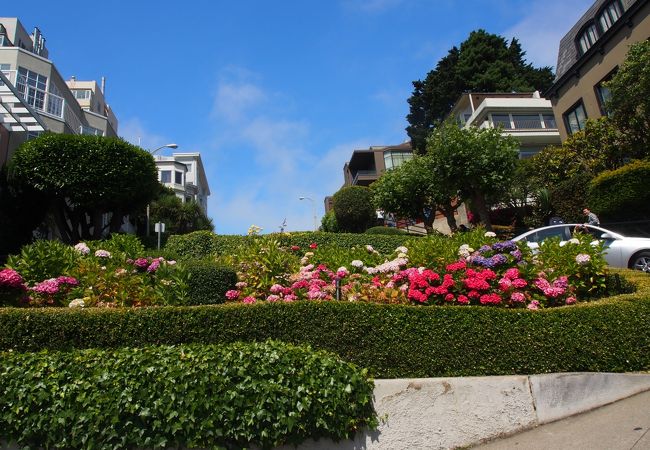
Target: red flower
x=313, y=245
x=295, y=248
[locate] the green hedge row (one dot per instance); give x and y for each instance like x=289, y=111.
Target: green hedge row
x=208, y=282
x=393, y=341
x=195, y=396
x=200, y=244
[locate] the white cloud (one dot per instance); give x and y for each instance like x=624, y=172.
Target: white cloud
x=543, y=23
x=234, y=100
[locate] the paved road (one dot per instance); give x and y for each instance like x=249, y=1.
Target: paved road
x=624, y=425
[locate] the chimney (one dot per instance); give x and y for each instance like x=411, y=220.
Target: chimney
x=103, y=85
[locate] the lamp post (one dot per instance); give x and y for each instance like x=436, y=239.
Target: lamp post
x=313, y=210
x=174, y=146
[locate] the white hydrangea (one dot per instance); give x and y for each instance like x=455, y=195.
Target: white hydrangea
x=490, y=234
x=357, y=263
x=77, y=303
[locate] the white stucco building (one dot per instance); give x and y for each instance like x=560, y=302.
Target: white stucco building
x=184, y=173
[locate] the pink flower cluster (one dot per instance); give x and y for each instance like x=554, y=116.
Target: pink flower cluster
x=11, y=279
x=149, y=265
x=55, y=285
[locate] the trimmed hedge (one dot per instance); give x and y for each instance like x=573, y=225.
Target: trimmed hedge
x=208, y=282
x=393, y=341
x=622, y=194
x=266, y=394
x=204, y=243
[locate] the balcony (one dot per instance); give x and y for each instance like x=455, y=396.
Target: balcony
x=364, y=177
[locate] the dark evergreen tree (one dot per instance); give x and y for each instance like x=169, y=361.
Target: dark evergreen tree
x=484, y=63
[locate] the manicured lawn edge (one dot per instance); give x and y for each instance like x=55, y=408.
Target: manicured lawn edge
x=610, y=335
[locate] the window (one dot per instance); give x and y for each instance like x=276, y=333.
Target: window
x=165, y=176
x=527, y=121
x=55, y=101
x=502, y=120
x=32, y=87
x=603, y=94
x=4, y=68
x=549, y=121
x=394, y=159
x=178, y=177
x=91, y=131
x=81, y=94
x=610, y=14
x=587, y=38
x=575, y=118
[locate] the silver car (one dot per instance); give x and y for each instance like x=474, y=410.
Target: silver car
x=620, y=251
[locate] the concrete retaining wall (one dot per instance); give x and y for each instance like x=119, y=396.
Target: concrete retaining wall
x=447, y=413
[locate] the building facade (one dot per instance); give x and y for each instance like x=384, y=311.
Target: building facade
x=185, y=174
x=525, y=116
x=589, y=55
x=367, y=165
x=25, y=65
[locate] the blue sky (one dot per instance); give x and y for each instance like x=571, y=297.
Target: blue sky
x=274, y=95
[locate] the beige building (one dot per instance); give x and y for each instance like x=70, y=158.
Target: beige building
x=366, y=165
x=24, y=63
x=525, y=116
x=589, y=55
x=185, y=175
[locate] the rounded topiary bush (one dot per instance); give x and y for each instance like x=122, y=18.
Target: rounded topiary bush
x=622, y=194
x=208, y=282
x=195, y=396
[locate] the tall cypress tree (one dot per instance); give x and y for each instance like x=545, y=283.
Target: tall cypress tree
x=484, y=63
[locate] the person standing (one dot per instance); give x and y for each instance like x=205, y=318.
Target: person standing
x=592, y=219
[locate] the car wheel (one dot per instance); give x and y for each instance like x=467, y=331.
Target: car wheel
x=640, y=261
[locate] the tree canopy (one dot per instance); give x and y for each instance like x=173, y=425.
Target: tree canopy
x=629, y=105
x=484, y=63
x=353, y=209
x=477, y=163
x=85, y=179
x=178, y=217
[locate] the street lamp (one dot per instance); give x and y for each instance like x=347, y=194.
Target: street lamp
x=313, y=210
x=174, y=146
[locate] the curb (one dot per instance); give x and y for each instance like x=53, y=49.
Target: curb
x=449, y=413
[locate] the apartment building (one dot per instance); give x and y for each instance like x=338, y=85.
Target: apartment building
x=526, y=116
x=367, y=165
x=185, y=174
x=70, y=107
x=589, y=55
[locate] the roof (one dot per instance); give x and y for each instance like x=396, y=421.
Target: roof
x=568, y=54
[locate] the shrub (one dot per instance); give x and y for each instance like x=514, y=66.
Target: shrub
x=622, y=194
x=192, y=396
x=385, y=230
x=393, y=341
x=568, y=197
x=353, y=209
x=328, y=222
x=43, y=260
x=208, y=282
x=127, y=244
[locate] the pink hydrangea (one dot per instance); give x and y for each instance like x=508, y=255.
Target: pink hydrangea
x=518, y=297
x=534, y=305
x=511, y=273
x=47, y=287
x=141, y=263
x=571, y=300
x=71, y=281
x=519, y=283
x=583, y=258
x=463, y=300
x=249, y=300
x=490, y=299
x=10, y=278
x=276, y=289
x=232, y=294
x=272, y=298
x=103, y=254
x=153, y=266
x=82, y=248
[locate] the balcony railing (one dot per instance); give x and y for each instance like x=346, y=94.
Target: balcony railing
x=363, y=173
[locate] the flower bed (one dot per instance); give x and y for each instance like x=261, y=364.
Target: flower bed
x=497, y=273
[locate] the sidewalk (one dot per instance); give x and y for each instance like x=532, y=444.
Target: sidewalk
x=623, y=425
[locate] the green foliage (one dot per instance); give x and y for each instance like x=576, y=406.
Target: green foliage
x=261, y=263
x=393, y=341
x=484, y=63
x=194, y=396
x=385, y=230
x=201, y=244
x=569, y=198
x=85, y=177
x=622, y=194
x=478, y=163
x=178, y=217
x=328, y=222
x=208, y=282
x=630, y=99
x=43, y=260
x=353, y=209
x=127, y=245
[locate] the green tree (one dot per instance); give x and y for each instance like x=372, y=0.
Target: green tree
x=328, y=222
x=413, y=190
x=353, y=209
x=85, y=179
x=478, y=163
x=178, y=217
x=484, y=63
x=622, y=194
x=630, y=99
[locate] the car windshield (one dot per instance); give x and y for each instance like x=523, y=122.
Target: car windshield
x=586, y=229
x=545, y=233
